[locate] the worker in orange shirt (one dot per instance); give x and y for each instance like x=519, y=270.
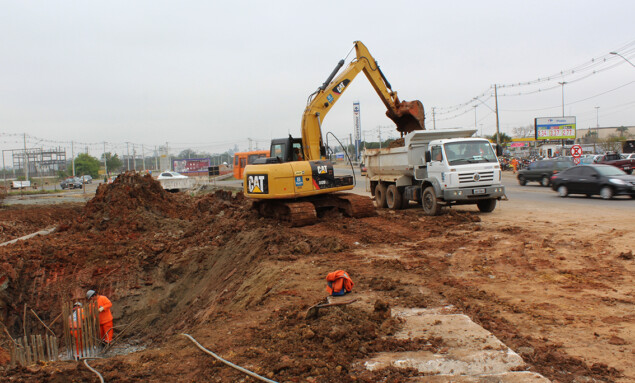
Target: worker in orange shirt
x=515, y=164
x=105, y=316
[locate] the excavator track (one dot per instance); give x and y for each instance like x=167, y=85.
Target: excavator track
x=356, y=206
x=293, y=213
x=304, y=212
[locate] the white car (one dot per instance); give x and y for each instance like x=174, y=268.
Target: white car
x=167, y=175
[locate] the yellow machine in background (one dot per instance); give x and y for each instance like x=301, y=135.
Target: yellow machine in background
x=297, y=181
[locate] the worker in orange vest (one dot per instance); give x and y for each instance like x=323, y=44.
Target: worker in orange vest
x=105, y=316
x=75, y=322
x=515, y=164
x=339, y=283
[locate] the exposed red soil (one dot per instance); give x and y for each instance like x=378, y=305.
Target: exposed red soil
x=240, y=284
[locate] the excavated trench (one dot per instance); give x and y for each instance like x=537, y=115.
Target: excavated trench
x=209, y=266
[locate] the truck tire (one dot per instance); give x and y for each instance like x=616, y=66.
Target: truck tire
x=394, y=199
x=429, y=202
x=486, y=205
x=380, y=196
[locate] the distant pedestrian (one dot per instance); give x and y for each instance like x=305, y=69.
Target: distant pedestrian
x=105, y=316
x=515, y=164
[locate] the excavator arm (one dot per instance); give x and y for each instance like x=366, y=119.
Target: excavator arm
x=407, y=115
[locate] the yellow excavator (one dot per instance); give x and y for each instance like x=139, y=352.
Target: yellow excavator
x=297, y=181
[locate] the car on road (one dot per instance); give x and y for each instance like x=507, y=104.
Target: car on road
x=541, y=171
x=71, y=183
x=604, y=180
x=167, y=175
x=87, y=179
x=363, y=169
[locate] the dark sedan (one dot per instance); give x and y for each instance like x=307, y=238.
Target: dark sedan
x=605, y=180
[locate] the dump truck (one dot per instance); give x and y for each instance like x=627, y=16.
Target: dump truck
x=436, y=168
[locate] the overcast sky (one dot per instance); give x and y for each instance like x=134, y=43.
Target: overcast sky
x=208, y=75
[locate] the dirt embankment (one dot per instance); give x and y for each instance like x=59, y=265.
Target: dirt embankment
x=240, y=284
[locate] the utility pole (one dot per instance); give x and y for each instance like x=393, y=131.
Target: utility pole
x=563, y=83
x=434, y=120
x=105, y=160
x=73, y=158
x=498, y=138
x=167, y=155
x=134, y=158
x=26, y=161
x=597, y=126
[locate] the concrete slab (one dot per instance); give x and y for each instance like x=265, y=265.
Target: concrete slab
x=469, y=351
x=509, y=377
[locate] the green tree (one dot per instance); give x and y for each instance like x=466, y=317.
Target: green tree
x=112, y=161
x=87, y=164
x=623, y=131
x=504, y=138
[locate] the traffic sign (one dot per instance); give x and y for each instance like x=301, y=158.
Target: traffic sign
x=576, y=160
x=576, y=151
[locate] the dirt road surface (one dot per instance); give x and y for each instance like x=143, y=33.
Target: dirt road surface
x=554, y=285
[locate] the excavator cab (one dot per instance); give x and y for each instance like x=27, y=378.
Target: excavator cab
x=283, y=150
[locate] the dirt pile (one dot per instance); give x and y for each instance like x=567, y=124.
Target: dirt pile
x=19, y=220
x=327, y=347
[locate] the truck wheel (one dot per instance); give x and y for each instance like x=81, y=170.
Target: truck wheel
x=380, y=196
x=429, y=202
x=393, y=198
x=486, y=205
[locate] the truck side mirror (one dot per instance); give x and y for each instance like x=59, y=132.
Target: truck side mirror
x=428, y=156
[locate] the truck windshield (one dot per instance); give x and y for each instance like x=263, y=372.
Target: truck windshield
x=469, y=152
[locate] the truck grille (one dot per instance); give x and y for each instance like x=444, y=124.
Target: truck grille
x=472, y=177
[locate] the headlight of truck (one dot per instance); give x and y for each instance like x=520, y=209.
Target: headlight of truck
x=617, y=181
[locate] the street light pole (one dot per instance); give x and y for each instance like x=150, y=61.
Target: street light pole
x=625, y=59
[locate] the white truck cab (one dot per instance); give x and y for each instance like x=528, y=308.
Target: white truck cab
x=436, y=168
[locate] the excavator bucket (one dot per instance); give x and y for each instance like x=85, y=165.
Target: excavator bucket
x=408, y=116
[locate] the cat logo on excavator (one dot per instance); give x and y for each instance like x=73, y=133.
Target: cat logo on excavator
x=258, y=184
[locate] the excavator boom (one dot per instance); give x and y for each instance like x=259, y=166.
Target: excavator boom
x=407, y=115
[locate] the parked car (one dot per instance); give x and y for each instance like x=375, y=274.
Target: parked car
x=614, y=159
x=87, y=179
x=167, y=175
x=541, y=171
x=71, y=183
x=605, y=180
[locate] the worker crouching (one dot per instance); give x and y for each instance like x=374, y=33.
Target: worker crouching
x=105, y=315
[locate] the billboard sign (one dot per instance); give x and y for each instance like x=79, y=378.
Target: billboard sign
x=191, y=165
x=555, y=128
